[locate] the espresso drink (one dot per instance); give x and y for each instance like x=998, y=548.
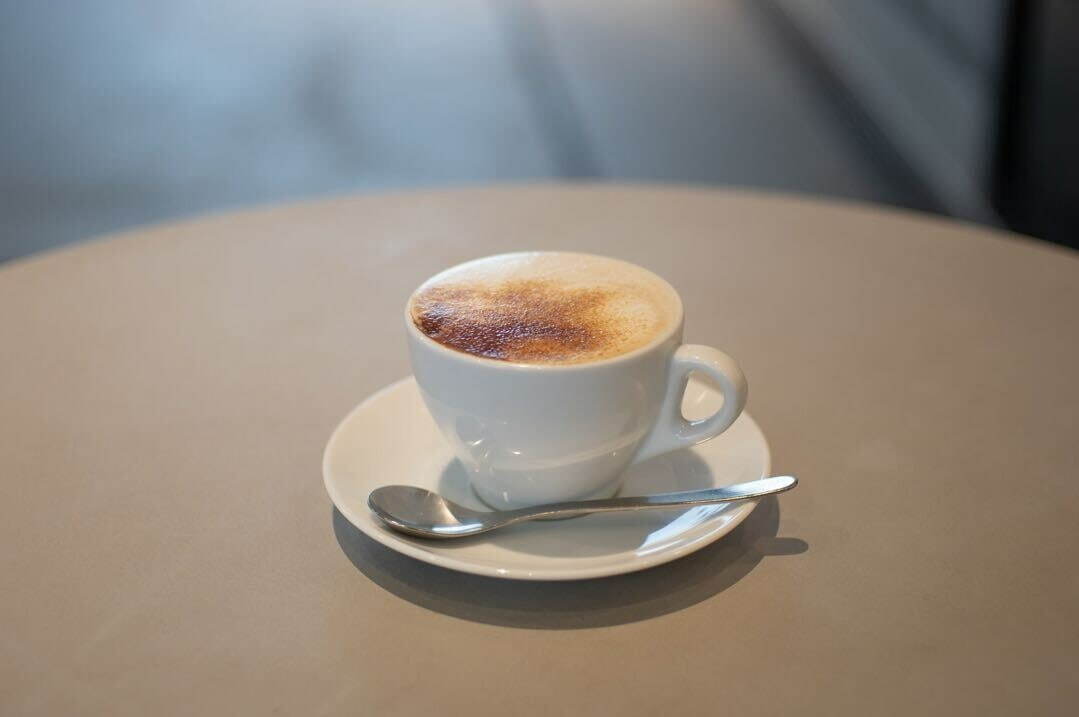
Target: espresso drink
x=545, y=308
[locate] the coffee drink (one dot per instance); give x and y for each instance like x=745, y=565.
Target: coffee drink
x=549, y=373
x=545, y=308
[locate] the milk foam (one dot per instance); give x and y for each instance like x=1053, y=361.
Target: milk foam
x=545, y=307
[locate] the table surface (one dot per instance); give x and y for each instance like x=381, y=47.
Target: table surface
x=168, y=547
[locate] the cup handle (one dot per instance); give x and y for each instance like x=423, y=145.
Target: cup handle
x=672, y=431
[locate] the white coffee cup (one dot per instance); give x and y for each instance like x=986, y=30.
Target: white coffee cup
x=533, y=433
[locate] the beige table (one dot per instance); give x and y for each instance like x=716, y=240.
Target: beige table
x=168, y=548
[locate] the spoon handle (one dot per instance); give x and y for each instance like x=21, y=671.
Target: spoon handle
x=687, y=499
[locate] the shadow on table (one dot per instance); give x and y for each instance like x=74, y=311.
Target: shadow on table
x=575, y=604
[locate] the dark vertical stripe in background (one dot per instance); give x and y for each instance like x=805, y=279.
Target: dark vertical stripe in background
x=529, y=46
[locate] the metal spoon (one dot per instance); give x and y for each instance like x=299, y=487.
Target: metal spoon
x=420, y=512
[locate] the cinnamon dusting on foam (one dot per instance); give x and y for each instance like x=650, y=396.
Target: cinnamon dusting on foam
x=542, y=318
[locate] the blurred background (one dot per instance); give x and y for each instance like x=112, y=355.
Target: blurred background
x=115, y=113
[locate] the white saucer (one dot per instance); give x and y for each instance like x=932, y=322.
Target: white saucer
x=390, y=438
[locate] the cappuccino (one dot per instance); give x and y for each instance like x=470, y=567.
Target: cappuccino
x=545, y=308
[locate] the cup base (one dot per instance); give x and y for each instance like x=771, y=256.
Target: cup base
x=604, y=493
